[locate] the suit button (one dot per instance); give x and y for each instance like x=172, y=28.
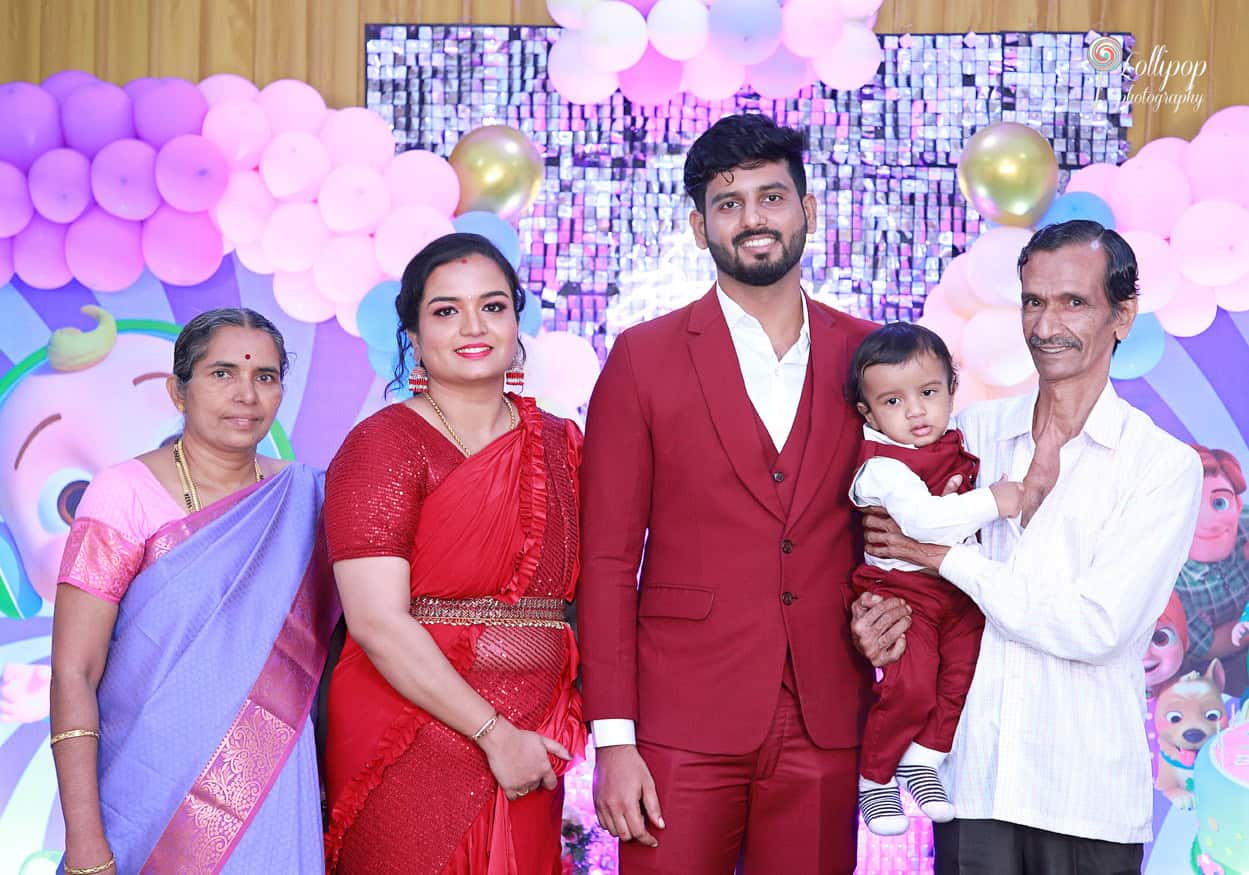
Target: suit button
x=788, y=598
x=787, y=546
x=778, y=476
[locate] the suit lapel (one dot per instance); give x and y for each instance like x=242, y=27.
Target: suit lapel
x=720, y=377
x=830, y=358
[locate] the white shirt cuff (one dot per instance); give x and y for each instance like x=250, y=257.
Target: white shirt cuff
x=612, y=732
x=963, y=566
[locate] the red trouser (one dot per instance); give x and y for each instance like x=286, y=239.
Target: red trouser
x=922, y=694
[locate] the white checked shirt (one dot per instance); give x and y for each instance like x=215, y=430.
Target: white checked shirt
x=1051, y=735
x=775, y=389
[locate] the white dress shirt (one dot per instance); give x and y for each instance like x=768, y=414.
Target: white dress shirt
x=951, y=519
x=1051, y=734
x=774, y=386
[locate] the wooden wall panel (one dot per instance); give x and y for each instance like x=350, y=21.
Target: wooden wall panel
x=320, y=41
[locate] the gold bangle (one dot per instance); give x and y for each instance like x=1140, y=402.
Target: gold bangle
x=75, y=733
x=486, y=727
x=92, y=870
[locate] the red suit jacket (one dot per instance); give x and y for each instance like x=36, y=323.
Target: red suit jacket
x=731, y=580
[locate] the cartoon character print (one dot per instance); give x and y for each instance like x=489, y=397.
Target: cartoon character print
x=1189, y=712
x=1167, y=646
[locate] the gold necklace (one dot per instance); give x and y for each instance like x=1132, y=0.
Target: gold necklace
x=511, y=417
x=190, y=494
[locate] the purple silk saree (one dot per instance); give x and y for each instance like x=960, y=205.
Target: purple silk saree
x=207, y=757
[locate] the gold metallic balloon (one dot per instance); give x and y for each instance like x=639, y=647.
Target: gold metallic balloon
x=500, y=171
x=1008, y=172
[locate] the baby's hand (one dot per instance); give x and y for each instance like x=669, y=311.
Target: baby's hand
x=1009, y=497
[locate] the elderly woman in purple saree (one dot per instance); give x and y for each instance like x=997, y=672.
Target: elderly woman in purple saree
x=196, y=751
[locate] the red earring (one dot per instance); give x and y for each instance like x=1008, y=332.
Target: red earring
x=514, y=379
x=418, y=379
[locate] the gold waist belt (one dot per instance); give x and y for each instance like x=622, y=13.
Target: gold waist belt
x=487, y=611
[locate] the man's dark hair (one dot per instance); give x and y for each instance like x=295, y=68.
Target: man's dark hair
x=896, y=344
x=1120, y=279
x=741, y=141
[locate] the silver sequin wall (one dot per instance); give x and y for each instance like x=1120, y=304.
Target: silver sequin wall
x=607, y=243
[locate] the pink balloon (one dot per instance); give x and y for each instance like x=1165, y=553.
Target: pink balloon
x=292, y=105
x=252, y=256
x=642, y=6
x=1190, y=312
x=170, y=109
x=294, y=236
x=1234, y=297
x=852, y=61
x=1164, y=149
x=60, y=184
x=420, y=177
x=1095, y=179
x=136, y=88
x=63, y=83
x=809, y=27
x=191, y=174
x=1158, y=277
x=652, y=80
x=573, y=76
x=15, y=206
x=994, y=347
x=244, y=209
x=104, y=253
x=345, y=313
x=181, y=249
x=294, y=165
x=353, y=198
x=1229, y=120
x=1149, y=194
x=970, y=391
x=6, y=260
x=405, y=231
x=945, y=322
x=781, y=76
x=95, y=115
x=992, y=270
x=1210, y=242
x=346, y=268
x=957, y=285
x=711, y=76
x=240, y=131
x=39, y=254
x=123, y=179
x=32, y=123
x=1215, y=164
x=358, y=136
x=226, y=87
x=298, y=297
x=859, y=8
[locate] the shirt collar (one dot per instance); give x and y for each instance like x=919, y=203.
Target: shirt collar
x=1104, y=424
x=871, y=434
x=735, y=316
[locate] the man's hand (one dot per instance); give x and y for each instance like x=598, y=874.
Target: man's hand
x=882, y=537
x=624, y=794
x=879, y=627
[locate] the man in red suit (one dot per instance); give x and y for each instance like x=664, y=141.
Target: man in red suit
x=725, y=685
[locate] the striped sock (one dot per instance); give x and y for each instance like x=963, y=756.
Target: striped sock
x=925, y=787
x=881, y=808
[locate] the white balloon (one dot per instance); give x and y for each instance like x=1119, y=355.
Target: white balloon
x=678, y=28
x=615, y=36
x=994, y=347
x=853, y=61
x=573, y=77
x=570, y=13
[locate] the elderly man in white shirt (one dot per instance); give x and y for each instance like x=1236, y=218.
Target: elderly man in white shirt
x=1050, y=771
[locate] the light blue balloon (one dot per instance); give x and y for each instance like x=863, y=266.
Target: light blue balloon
x=531, y=316
x=745, y=28
x=1078, y=205
x=494, y=229
x=376, y=317
x=1141, y=350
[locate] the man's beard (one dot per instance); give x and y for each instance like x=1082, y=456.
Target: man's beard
x=759, y=273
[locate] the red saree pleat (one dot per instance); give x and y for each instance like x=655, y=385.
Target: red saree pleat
x=404, y=790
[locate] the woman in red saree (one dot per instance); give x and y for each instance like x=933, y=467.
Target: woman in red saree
x=451, y=520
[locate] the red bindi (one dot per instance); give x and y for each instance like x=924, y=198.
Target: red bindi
x=247, y=356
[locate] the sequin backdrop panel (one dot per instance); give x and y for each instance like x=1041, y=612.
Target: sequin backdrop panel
x=607, y=243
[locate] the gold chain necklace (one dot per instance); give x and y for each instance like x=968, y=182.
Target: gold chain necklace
x=511, y=424
x=190, y=494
